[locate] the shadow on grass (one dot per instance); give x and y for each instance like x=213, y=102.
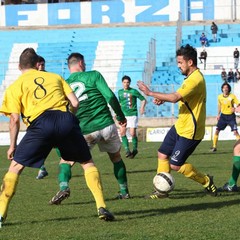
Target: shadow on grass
x=177, y=209
x=211, y=153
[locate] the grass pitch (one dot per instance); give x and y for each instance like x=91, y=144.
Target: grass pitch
x=187, y=214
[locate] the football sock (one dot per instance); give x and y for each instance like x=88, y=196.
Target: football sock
x=58, y=152
x=43, y=168
x=93, y=181
x=135, y=143
x=64, y=175
x=235, y=171
x=163, y=166
x=215, y=140
x=121, y=176
x=189, y=171
x=8, y=189
x=125, y=143
x=237, y=137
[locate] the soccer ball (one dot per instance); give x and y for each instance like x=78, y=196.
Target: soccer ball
x=163, y=182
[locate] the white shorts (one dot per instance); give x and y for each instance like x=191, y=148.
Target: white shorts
x=132, y=121
x=107, y=139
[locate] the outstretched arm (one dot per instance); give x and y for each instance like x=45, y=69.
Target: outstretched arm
x=166, y=97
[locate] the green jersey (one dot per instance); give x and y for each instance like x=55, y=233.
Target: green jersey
x=94, y=95
x=128, y=101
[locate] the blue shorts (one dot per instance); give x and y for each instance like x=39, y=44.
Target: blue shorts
x=226, y=120
x=52, y=129
x=177, y=148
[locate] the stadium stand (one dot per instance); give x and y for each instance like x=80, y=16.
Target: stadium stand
x=123, y=51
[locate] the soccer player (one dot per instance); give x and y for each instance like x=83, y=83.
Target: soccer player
x=128, y=100
x=42, y=173
x=231, y=185
x=41, y=99
x=96, y=123
x=226, y=113
x=189, y=129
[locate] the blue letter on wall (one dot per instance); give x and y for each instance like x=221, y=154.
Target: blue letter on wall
x=148, y=15
x=13, y=16
x=114, y=11
x=63, y=14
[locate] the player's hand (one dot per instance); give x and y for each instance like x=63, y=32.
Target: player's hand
x=10, y=153
x=143, y=87
x=158, y=101
x=123, y=123
x=237, y=109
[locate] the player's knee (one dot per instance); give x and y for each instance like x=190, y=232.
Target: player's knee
x=174, y=167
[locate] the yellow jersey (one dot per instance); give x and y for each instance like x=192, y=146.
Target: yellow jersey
x=35, y=92
x=192, y=107
x=227, y=103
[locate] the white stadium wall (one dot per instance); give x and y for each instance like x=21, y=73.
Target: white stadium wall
x=112, y=12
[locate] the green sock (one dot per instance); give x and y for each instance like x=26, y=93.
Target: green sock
x=121, y=176
x=58, y=152
x=43, y=168
x=64, y=176
x=235, y=171
x=125, y=143
x=135, y=143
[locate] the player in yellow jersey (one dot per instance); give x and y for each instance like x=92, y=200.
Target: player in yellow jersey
x=189, y=129
x=226, y=113
x=43, y=100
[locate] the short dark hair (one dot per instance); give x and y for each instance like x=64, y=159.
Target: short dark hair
x=126, y=77
x=188, y=52
x=226, y=84
x=28, y=59
x=73, y=58
x=41, y=59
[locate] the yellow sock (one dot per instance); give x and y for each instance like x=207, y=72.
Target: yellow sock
x=163, y=166
x=93, y=181
x=189, y=171
x=8, y=189
x=215, y=140
x=237, y=137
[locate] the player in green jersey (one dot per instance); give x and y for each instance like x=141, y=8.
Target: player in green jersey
x=96, y=122
x=128, y=100
x=231, y=185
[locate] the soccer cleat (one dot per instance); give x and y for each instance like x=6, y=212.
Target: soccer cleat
x=213, y=149
x=128, y=154
x=104, y=214
x=134, y=153
x=122, y=196
x=157, y=195
x=42, y=174
x=227, y=188
x=211, y=188
x=1, y=221
x=60, y=196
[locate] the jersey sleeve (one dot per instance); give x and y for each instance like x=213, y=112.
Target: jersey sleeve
x=235, y=100
x=139, y=95
x=66, y=87
x=109, y=96
x=11, y=103
x=188, y=88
